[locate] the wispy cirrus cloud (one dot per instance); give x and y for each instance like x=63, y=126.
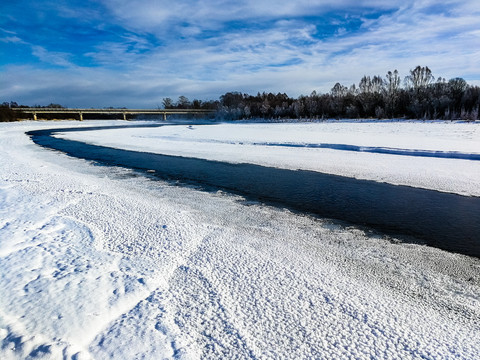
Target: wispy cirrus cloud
x=11, y=39
x=52, y=57
x=137, y=52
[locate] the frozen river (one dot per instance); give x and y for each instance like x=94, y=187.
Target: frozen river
x=440, y=219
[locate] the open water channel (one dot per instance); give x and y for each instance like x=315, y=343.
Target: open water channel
x=444, y=220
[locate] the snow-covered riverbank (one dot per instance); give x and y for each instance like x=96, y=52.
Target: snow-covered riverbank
x=98, y=262
x=325, y=147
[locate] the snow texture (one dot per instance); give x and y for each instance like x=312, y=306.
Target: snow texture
x=101, y=262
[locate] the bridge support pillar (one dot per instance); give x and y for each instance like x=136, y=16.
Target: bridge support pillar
x=35, y=116
x=125, y=116
x=80, y=116
x=164, y=116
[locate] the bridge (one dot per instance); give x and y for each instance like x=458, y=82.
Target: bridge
x=123, y=112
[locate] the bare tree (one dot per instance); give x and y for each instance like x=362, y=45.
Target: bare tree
x=419, y=77
x=183, y=102
x=167, y=103
x=392, y=90
x=339, y=90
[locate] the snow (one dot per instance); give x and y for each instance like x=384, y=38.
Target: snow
x=297, y=146
x=101, y=262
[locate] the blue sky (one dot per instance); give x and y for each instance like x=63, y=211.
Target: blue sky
x=135, y=53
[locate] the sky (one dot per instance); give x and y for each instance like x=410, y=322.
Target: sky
x=83, y=53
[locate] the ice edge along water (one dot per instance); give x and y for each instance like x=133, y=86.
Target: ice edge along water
x=246, y=143
x=179, y=273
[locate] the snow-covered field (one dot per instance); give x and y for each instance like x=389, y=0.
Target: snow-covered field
x=100, y=262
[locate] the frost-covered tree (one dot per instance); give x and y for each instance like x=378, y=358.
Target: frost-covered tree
x=419, y=77
x=339, y=90
x=422, y=97
x=392, y=84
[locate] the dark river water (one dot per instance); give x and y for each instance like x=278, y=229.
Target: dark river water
x=447, y=221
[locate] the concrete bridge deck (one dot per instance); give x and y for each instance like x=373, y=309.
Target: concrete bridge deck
x=124, y=112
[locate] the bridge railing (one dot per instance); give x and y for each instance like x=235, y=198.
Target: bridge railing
x=123, y=112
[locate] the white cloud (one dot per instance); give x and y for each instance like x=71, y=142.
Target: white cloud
x=183, y=60
x=8, y=31
x=12, y=39
x=51, y=57
x=158, y=16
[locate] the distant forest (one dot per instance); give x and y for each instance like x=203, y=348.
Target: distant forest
x=418, y=96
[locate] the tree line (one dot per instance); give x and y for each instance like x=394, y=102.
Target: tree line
x=7, y=114
x=417, y=96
